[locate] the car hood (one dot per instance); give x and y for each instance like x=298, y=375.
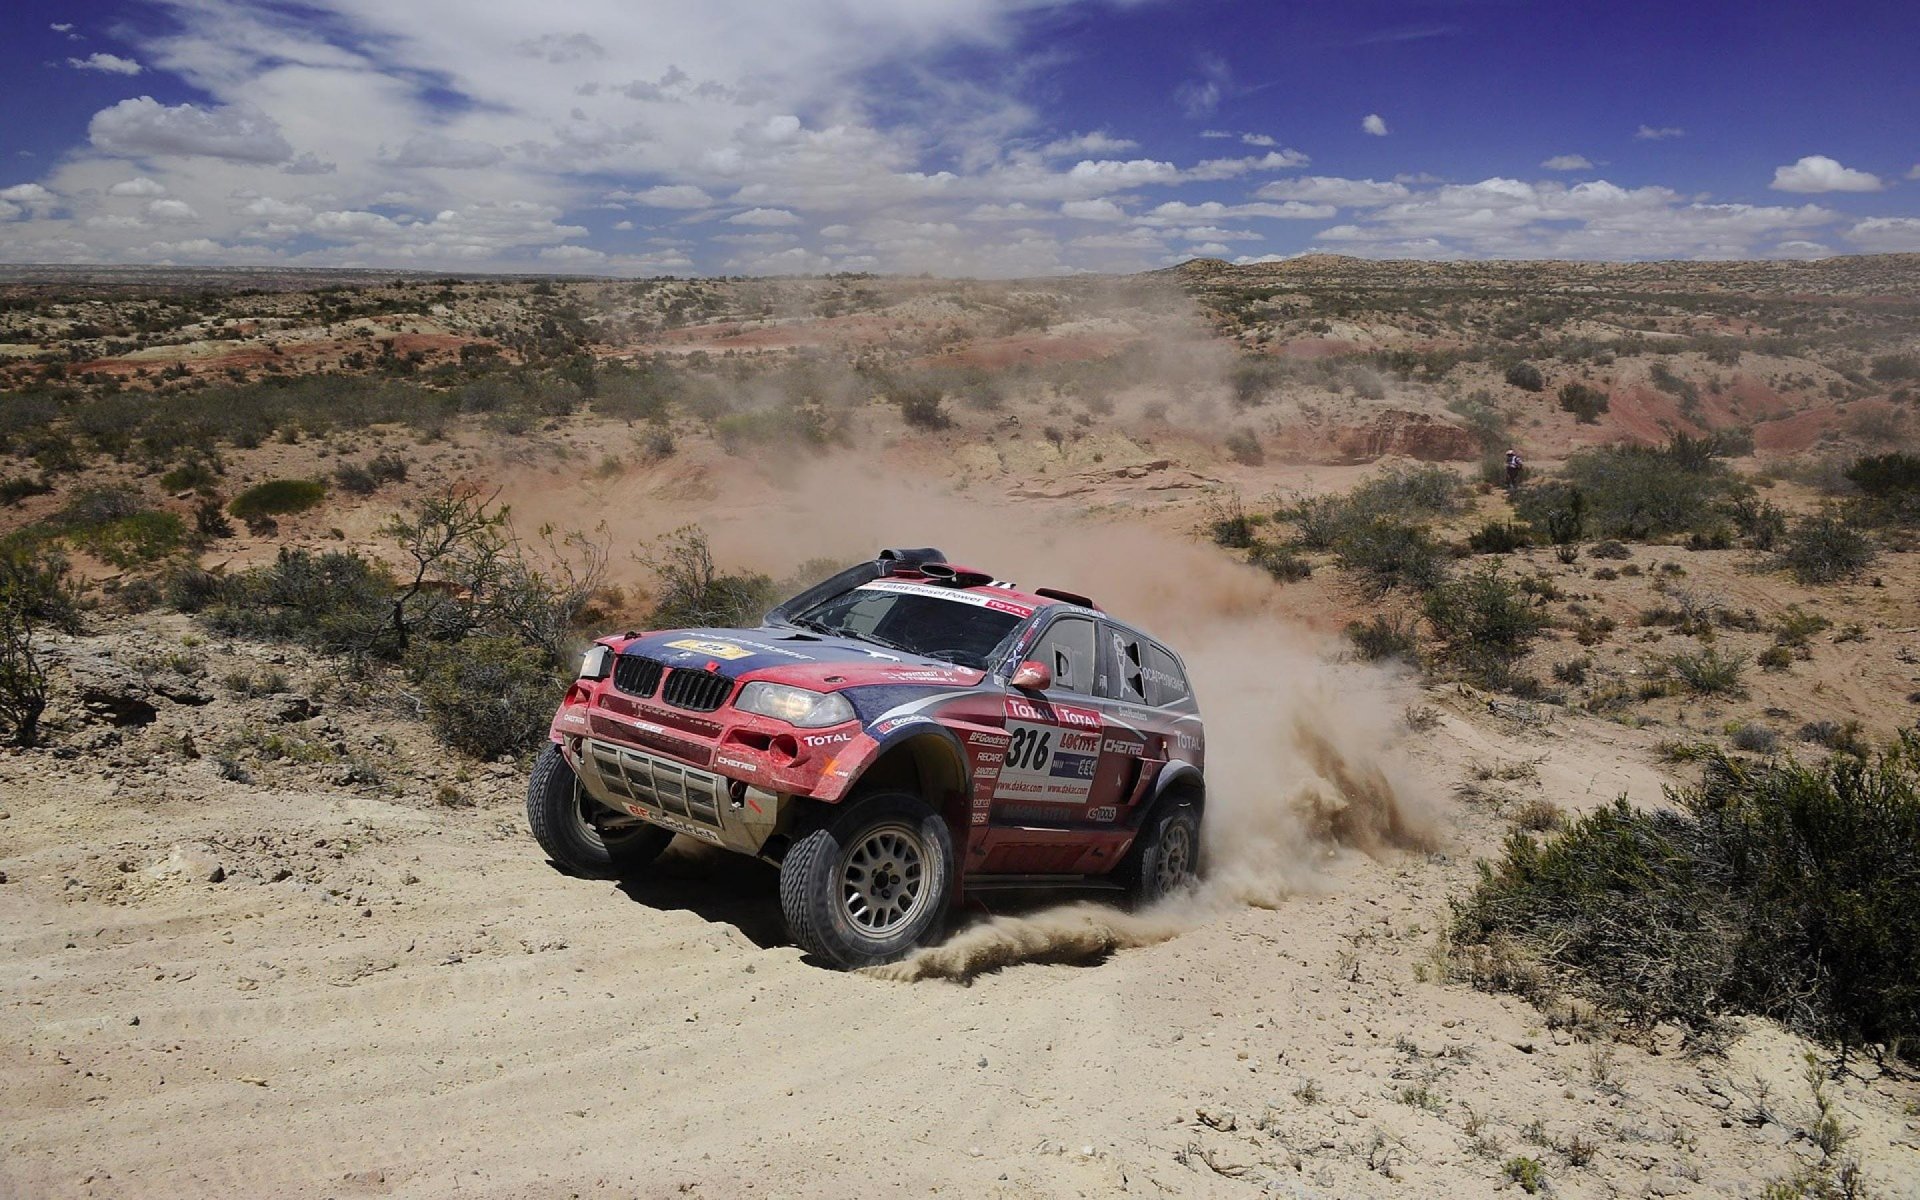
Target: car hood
x=794, y=656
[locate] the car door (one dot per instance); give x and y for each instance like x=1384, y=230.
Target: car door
x=1053, y=757
x=1134, y=746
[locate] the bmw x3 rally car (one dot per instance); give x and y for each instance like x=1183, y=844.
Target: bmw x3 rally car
x=892, y=738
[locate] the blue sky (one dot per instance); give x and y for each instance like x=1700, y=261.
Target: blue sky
x=988, y=137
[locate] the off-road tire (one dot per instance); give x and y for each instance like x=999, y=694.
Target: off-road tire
x=1165, y=858
x=840, y=883
x=560, y=816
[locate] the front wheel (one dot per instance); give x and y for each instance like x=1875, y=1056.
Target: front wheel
x=566, y=823
x=1166, y=856
x=872, y=885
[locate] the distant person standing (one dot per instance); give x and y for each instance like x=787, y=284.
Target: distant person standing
x=1514, y=467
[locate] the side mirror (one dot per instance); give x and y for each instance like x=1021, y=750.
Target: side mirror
x=1033, y=676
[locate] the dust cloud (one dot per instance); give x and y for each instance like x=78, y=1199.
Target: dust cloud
x=1301, y=759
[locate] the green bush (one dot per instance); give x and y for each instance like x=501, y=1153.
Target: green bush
x=141, y=538
x=486, y=696
x=1779, y=889
x=335, y=602
x=365, y=480
x=1281, y=562
x=1708, y=672
x=1584, y=402
x=17, y=488
x=1405, y=493
x=35, y=595
x=1526, y=377
x=1243, y=445
x=1498, y=537
x=1388, y=553
x=277, y=497
x=1636, y=492
x=1382, y=637
x=1485, y=623
x=1825, y=549
x=690, y=591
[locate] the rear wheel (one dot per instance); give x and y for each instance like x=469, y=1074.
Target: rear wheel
x=1166, y=856
x=568, y=825
x=872, y=884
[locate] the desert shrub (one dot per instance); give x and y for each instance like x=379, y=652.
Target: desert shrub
x=14, y=489
x=1843, y=737
x=1890, y=490
x=1526, y=377
x=1756, y=739
x=1883, y=475
x=1761, y=522
x=277, y=497
x=1611, y=548
x=630, y=392
x=1281, y=562
x=1584, y=402
x=486, y=696
x=1243, y=445
x=1228, y=523
x=1780, y=889
x=1825, y=549
x=1384, y=637
x=1638, y=491
x=1484, y=622
x=921, y=406
x=335, y=602
x=368, y=478
x=1253, y=379
x=35, y=595
x=803, y=424
x=1486, y=422
x=1708, y=672
x=1405, y=493
x=691, y=591
x=1389, y=553
x=141, y=538
x=1498, y=537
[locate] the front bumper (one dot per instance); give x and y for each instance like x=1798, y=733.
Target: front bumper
x=699, y=804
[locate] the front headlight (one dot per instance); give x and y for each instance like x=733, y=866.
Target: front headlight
x=598, y=663
x=795, y=706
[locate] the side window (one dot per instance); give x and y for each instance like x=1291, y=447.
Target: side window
x=1127, y=664
x=1166, y=682
x=1067, y=648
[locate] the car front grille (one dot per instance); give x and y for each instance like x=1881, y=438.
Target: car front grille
x=635, y=675
x=696, y=691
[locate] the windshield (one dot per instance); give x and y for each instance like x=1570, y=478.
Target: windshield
x=958, y=627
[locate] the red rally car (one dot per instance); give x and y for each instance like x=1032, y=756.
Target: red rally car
x=905, y=731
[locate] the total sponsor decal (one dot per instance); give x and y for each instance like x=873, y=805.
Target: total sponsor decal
x=827, y=739
x=959, y=595
x=1057, y=714
x=721, y=650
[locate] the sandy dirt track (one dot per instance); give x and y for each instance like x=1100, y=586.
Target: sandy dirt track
x=422, y=1007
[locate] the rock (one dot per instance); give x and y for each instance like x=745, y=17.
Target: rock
x=295, y=708
x=1223, y=1119
x=181, y=690
x=189, y=860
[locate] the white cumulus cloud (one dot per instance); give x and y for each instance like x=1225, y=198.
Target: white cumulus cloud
x=439, y=150
x=145, y=127
x=1093, y=210
x=1374, y=124
x=139, y=185
x=765, y=217
x=1323, y=189
x=1568, y=162
x=666, y=195
x=1817, y=173
x=110, y=64
x=1658, y=133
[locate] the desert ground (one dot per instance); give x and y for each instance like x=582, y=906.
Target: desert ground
x=270, y=938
